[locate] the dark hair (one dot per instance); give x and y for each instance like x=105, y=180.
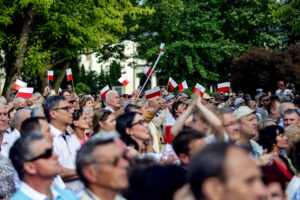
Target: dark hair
x=76, y=115
x=155, y=182
x=84, y=100
x=85, y=155
x=175, y=106
x=271, y=105
x=51, y=103
x=261, y=98
x=100, y=115
x=294, y=155
x=124, y=121
x=291, y=111
x=181, y=142
x=21, y=151
x=63, y=91
x=267, y=136
x=11, y=110
x=131, y=108
x=31, y=124
x=208, y=162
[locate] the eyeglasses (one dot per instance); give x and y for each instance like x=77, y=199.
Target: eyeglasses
x=114, y=161
x=266, y=99
x=140, y=122
x=67, y=108
x=47, y=154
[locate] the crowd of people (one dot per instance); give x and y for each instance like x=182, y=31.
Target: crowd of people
x=228, y=147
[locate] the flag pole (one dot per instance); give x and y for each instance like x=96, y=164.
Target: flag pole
x=73, y=85
x=179, y=93
x=159, y=56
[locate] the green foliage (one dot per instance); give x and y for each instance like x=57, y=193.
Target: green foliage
x=82, y=88
x=202, y=36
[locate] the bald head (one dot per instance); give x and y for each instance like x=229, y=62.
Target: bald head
x=20, y=116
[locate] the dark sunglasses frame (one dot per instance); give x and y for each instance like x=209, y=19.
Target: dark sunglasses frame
x=140, y=122
x=47, y=154
x=67, y=108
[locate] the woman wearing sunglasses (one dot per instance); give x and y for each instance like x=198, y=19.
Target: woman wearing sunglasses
x=134, y=132
x=104, y=120
x=79, y=125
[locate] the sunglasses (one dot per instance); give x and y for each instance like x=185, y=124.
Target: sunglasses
x=47, y=154
x=114, y=161
x=140, y=122
x=67, y=108
x=266, y=100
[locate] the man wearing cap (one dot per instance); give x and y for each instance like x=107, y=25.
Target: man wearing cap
x=205, y=99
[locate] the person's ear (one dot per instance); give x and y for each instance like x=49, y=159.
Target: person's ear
x=101, y=124
x=75, y=122
x=184, y=158
x=52, y=114
x=128, y=131
x=90, y=174
x=213, y=189
x=29, y=168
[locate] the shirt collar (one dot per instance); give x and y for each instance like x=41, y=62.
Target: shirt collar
x=57, y=132
x=30, y=192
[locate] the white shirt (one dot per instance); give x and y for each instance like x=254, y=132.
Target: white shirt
x=33, y=194
x=7, y=142
x=292, y=187
x=285, y=92
x=109, y=108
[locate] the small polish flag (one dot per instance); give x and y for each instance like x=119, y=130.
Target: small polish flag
x=200, y=88
x=172, y=84
x=124, y=81
x=170, y=121
x=25, y=92
x=104, y=91
x=152, y=93
x=161, y=47
x=69, y=74
x=50, y=76
x=19, y=84
x=147, y=70
x=59, y=90
x=224, y=87
x=183, y=86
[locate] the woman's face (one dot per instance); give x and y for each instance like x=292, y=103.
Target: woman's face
x=281, y=140
x=109, y=124
x=82, y=122
x=88, y=104
x=139, y=129
x=180, y=109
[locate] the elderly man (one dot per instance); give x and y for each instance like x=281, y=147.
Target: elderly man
x=102, y=167
x=5, y=139
x=282, y=90
x=20, y=116
x=230, y=125
x=59, y=113
x=291, y=117
x=37, y=165
x=20, y=102
x=225, y=171
x=112, y=101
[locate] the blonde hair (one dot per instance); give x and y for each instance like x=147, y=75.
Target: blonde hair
x=293, y=135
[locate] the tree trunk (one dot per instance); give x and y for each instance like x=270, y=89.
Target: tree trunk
x=61, y=76
x=15, y=71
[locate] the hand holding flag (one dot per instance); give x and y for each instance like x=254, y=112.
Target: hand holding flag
x=200, y=88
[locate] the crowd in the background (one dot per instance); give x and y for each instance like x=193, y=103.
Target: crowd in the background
x=231, y=146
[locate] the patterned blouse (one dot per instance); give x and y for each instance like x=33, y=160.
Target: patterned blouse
x=7, y=187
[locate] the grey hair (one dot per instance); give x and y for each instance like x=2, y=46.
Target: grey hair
x=282, y=107
x=109, y=93
x=16, y=99
x=21, y=151
x=36, y=111
x=86, y=156
x=226, y=110
x=17, y=117
x=36, y=94
x=87, y=111
x=291, y=111
x=3, y=100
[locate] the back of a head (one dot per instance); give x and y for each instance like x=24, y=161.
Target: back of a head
x=181, y=142
x=208, y=162
x=31, y=124
x=294, y=155
x=21, y=151
x=19, y=117
x=131, y=108
x=50, y=103
x=37, y=111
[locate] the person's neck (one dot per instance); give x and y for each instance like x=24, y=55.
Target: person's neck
x=103, y=193
x=59, y=126
x=141, y=145
x=40, y=185
x=79, y=132
x=244, y=141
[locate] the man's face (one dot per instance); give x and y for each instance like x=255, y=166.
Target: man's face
x=291, y=119
x=110, y=169
x=231, y=126
x=280, y=85
x=221, y=96
x=265, y=101
x=64, y=113
x=248, y=126
x=44, y=167
x=252, y=105
x=243, y=177
x=154, y=102
x=3, y=119
x=21, y=103
x=114, y=101
x=67, y=95
x=45, y=129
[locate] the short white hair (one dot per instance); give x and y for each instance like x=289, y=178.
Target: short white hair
x=109, y=93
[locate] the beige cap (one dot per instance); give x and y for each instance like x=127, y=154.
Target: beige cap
x=242, y=112
x=206, y=96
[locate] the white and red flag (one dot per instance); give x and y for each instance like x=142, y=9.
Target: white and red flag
x=172, y=84
x=152, y=93
x=123, y=81
x=104, y=91
x=224, y=87
x=69, y=74
x=19, y=84
x=25, y=93
x=170, y=121
x=161, y=47
x=199, y=88
x=59, y=90
x=50, y=76
x=183, y=86
x=147, y=70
